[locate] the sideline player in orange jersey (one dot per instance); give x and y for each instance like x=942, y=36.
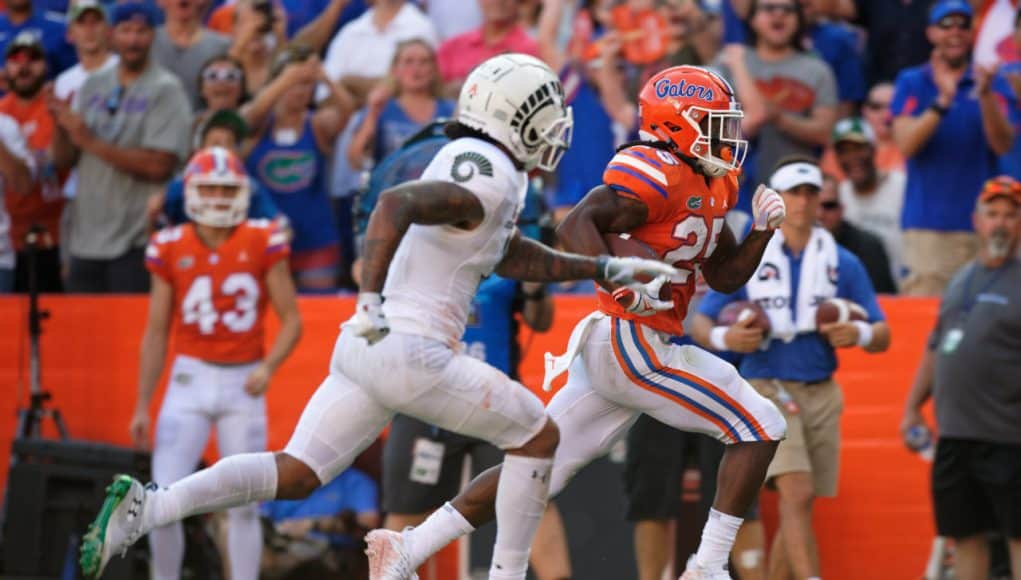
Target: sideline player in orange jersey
x=211, y=281
x=671, y=191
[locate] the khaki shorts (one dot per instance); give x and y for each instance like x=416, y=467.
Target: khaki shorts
x=932, y=258
x=813, y=433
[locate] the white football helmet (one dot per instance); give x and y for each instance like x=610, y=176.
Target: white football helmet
x=216, y=166
x=518, y=101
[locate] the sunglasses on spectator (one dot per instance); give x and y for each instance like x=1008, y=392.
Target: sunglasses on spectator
x=777, y=8
x=877, y=106
x=830, y=205
x=957, y=22
x=223, y=75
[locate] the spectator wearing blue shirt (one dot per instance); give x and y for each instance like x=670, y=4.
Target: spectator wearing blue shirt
x=400, y=106
x=802, y=266
x=950, y=125
x=838, y=45
x=334, y=517
x=50, y=29
x=1010, y=162
x=224, y=128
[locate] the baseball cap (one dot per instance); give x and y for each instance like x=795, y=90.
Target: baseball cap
x=791, y=175
x=855, y=130
x=1000, y=186
x=135, y=10
x=82, y=6
x=229, y=119
x=25, y=40
x=944, y=8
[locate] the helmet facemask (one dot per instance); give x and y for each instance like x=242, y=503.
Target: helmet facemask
x=212, y=208
x=554, y=142
x=719, y=146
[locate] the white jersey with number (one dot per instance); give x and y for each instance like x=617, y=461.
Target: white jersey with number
x=437, y=269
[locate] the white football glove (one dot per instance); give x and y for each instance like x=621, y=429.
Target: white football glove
x=369, y=322
x=643, y=300
x=768, y=209
x=626, y=271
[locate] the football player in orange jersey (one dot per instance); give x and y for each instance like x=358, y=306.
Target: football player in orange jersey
x=211, y=281
x=671, y=191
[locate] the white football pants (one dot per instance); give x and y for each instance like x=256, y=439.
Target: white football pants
x=201, y=396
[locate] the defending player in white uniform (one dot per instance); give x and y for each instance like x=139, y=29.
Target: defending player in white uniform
x=428, y=245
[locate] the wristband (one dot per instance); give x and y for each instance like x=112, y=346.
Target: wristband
x=864, y=333
x=716, y=339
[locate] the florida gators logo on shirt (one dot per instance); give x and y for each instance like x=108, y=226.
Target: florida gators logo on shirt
x=287, y=171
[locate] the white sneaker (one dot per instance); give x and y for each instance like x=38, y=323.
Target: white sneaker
x=694, y=571
x=118, y=525
x=389, y=556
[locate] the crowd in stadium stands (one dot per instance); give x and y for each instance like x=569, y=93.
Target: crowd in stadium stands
x=908, y=107
x=909, y=110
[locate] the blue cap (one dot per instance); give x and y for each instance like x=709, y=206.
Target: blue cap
x=944, y=8
x=135, y=10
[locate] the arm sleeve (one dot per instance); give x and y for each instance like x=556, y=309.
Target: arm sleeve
x=714, y=302
x=905, y=101
x=158, y=257
x=277, y=247
x=855, y=285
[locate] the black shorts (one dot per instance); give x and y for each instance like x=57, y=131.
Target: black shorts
x=401, y=494
x=656, y=457
x=976, y=488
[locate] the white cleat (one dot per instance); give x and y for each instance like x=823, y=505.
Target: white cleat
x=389, y=556
x=118, y=525
x=694, y=571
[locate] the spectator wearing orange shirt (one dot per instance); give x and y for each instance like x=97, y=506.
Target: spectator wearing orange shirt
x=40, y=204
x=501, y=32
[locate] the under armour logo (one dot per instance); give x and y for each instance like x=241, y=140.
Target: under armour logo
x=540, y=477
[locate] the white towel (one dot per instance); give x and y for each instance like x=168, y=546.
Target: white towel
x=771, y=284
x=557, y=365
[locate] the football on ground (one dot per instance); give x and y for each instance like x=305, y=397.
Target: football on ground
x=742, y=310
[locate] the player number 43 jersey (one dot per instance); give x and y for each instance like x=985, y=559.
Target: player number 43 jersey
x=219, y=294
x=686, y=216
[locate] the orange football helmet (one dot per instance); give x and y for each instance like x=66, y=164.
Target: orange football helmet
x=227, y=207
x=695, y=110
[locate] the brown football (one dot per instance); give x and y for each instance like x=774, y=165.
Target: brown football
x=623, y=245
x=839, y=310
x=742, y=309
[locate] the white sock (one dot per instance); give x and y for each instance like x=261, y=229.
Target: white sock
x=244, y=538
x=717, y=540
x=521, y=497
x=233, y=481
x=166, y=544
x=442, y=527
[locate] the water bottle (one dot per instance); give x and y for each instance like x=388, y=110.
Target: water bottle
x=920, y=441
